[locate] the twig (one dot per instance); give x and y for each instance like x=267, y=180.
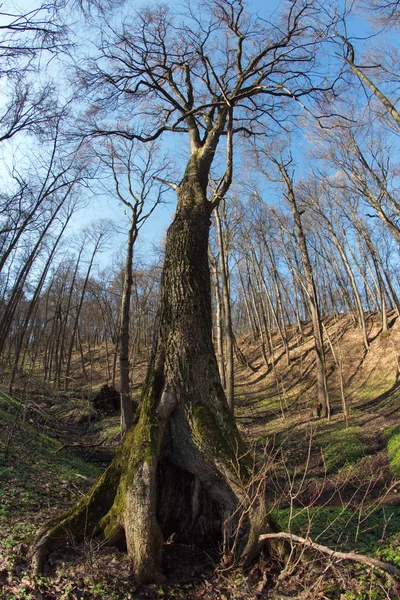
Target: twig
x=361, y=558
x=9, y=438
x=77, y=446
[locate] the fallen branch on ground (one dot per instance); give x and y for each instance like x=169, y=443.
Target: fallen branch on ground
x=333, y=554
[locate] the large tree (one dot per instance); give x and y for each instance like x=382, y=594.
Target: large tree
x=183, y=468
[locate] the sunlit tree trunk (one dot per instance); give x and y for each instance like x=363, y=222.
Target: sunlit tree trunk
x=218, y=322
x=229, y=342
x=322, y=384
x=124, y=362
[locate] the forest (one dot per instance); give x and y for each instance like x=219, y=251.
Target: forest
x=199, y=300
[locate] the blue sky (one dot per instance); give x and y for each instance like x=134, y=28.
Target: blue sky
x=154, y=230
x=105, y=206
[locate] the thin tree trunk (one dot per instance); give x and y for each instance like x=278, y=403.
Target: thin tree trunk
x=261, y=332
x=81, y=354
x=322, y=385
x=219, y=323
x=32, y=303
x=66, y=318
x=246, y=303
x=124, y=363
x=360, y=309
x=282, y=326
x=8, y=314
x=229, y=363
x=78, y=312
x=369, y=83
x=339, y=366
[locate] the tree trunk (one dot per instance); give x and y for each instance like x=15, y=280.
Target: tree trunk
x=249, y=313
x=124, y=362
x=322, y=384
x=17, y=292
x=368, y=82
x=229, y=363
x=218, y=322
x=360, y=309
x=65, y=321
x=256, y=310
x=32, y=304
x=182, y=466
x=78, y=312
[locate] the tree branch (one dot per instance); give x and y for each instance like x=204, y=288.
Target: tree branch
x=333, y=554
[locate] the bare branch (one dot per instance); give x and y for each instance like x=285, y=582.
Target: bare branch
x=333, y=554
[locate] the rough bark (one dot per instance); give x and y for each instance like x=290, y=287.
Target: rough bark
x=183, y=468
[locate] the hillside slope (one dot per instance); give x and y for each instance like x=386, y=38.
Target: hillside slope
x=336, y=482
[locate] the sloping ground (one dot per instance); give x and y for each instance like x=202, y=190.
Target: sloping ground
x=38, y=477
x=273, y=405
x=273, y=402
x=41, y=475
x=332, y=481
x=337, y=482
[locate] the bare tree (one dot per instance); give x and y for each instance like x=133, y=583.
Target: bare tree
x=286, y=177
x=205, y=79
x=314, y=193
x=36, y=295
x=384, y=13
x=136, y=177
x=98, y=235
x=229, y=336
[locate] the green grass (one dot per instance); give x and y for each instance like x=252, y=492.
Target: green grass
x=108, y=429
x=392, y=436
x=374, y=387
x=372, y=532
x=273, y=403
x=340, y=447
x=35, y=478
x=37, y=481
x=30, y=449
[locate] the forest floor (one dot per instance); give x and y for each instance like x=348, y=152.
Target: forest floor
x=335, y=482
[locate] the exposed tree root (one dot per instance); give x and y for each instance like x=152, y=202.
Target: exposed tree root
x=168, y=479
x=82, y=520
